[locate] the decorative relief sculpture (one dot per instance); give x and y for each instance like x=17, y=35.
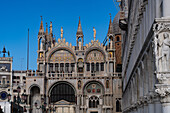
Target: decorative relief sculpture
x=79, y=84
x=62, y=56
x=95, y=56
x=42, y=46
x=165, y=52
x=161, y=43
x=163, y=91
x=162, y=47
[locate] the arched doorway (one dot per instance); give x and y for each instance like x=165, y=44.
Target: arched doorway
x=62, y=98
x=92, y=93
x=35, y=97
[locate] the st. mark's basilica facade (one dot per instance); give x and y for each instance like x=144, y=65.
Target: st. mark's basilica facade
x=85, y=78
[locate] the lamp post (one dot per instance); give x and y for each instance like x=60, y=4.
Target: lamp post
x=53, y=109
x=19, y=99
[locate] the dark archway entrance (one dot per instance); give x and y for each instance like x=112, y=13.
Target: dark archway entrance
x=35, y=97
x=62, y=91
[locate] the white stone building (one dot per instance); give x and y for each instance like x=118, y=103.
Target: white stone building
x=145, y=28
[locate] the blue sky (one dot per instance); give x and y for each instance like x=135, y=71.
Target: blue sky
x=16, y=16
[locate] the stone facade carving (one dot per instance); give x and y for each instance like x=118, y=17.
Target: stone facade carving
x=162, y=46
x=162, y=59
x=162, y=90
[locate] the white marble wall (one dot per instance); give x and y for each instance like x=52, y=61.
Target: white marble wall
x=139, y=64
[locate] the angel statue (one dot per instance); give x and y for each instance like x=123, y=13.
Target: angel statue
x=61, y=32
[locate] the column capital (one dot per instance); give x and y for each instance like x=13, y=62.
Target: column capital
x=164, y=92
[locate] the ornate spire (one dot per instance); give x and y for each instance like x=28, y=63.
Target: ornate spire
x=110, y=30
x=41, y=30
x=61, y=32
x=51, y=28
x=46, y=29
x=79, y=30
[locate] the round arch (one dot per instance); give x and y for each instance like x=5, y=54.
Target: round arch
x=93, y=82
x=92, y=49
x=58, y=49
x=33, y=85
x=62, y=91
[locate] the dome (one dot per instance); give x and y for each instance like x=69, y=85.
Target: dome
x=116, y=28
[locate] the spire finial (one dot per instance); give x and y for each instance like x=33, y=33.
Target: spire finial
x=41, y=30
x=110, y=30
x=41, y=18
x=46, y=28
x=110, y=15
x=4, y=51
x=79, y=30
x=50, y=27
x=94, y=30
x=61, y=32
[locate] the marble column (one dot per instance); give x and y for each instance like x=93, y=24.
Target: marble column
x=75, y=68
x=158, y=108
x=77, y=109
x=165, y=107
x=82, y=100
x=145, y=108
x=85, y=68
x=100, y=109
x=78, y=99
x=151, y=108
x=54, y=67
x=138, y=110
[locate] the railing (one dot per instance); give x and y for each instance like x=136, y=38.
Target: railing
x=33, y=73
x=86, y=74
x=74, y=74
x=59, y=75
x=116, y=74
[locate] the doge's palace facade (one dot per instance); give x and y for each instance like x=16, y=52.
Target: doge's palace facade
x=145, y=26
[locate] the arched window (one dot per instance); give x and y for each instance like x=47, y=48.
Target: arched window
x=93, y=102
x=62, y=91
x=117, y=38
x=88, y=66
x=35, y=96
x=118, y=106
x=79, y=39
x=102, y=66
x=92, y=67
x=97, y=66
x=61, y=68
x=50, y=67
x=72, y=67
x=67, y=67
x=56, y=67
